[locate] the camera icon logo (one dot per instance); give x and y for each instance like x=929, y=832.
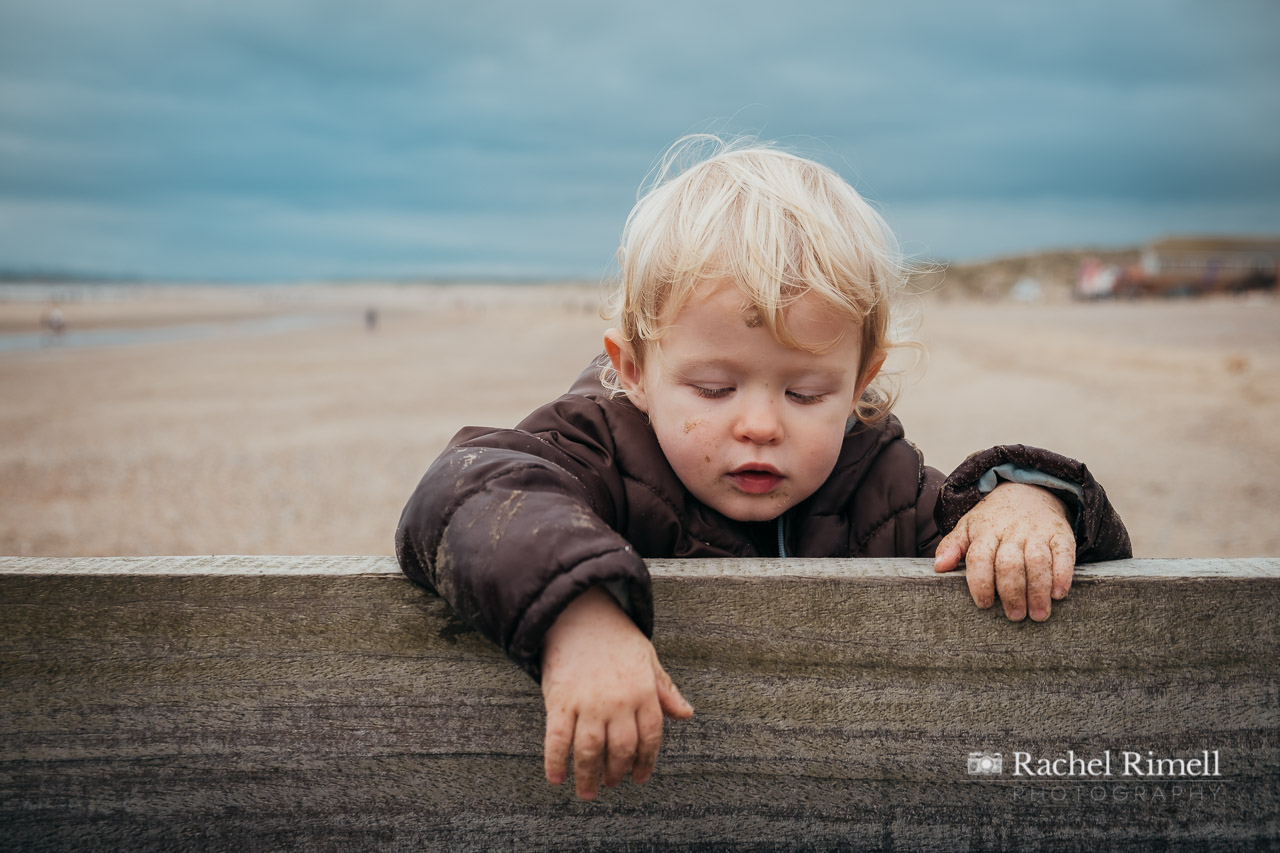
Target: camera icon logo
x=985, y=764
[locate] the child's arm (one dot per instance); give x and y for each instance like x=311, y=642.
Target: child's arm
x=515, y=529
x=606, y=694
x=509, y=529
x=1022, y=542
x=1017, y=542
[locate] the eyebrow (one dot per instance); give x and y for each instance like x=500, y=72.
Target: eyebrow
x=818, y=374
x=703, y=364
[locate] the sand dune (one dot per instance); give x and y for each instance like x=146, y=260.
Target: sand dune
x=309, y=441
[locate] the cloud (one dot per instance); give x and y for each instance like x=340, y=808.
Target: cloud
x=969, y=229
x=169, y=115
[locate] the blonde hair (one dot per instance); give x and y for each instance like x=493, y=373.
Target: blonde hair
x=780, y=226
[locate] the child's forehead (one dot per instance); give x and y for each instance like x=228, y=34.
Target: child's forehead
x=729, y=297
x=722, y=307
x=725, y=296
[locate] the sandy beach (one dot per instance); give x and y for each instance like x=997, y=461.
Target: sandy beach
x=272, y=421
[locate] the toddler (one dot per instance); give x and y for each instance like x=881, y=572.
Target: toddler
x=735, y=412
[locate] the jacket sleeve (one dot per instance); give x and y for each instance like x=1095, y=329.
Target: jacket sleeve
x=1100, y=534
x=927, y=534
x=509, y=526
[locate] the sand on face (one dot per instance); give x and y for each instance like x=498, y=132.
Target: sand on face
x=310, y=441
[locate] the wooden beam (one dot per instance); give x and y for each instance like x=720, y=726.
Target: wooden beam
x=255, y=703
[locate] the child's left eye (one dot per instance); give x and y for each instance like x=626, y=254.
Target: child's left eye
x=806, y=398
x=711, y=393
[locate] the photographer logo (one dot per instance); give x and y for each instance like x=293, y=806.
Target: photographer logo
x=985, y=764
x=1107, y=765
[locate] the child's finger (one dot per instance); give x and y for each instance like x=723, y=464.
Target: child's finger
x=951, y=549
x=1011, y=579
x=1039, y=561
x=556, y=745
x=669, y=698
x=620, y=749
x=588, y=755
x=649, y=740
x=979, y=570
x=1063, y=548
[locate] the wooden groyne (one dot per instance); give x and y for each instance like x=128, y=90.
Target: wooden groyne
x=325, y=703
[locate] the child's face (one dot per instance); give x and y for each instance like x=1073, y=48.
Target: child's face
x=750, y=426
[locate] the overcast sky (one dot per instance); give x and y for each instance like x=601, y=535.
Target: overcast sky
x=253, y=139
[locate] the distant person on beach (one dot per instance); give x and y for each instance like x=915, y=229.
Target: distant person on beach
x=55, y=323
x=737, y=411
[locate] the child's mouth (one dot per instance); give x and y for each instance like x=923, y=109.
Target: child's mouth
x=755, y=481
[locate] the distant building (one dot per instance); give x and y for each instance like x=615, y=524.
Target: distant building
x=1184, y=266
x=1206, y=264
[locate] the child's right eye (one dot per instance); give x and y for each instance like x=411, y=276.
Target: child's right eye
x=711, y=393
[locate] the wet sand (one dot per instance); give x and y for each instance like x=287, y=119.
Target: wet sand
x=308, y=441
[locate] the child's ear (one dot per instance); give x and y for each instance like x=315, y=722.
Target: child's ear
x=630, y=375
x=869, y=373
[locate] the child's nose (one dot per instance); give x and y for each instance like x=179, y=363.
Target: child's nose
x=758, y=421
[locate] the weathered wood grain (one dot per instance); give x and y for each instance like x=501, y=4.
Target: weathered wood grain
x=260, y=703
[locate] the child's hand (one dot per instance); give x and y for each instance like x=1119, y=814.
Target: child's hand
x=1016, y=541
x=605, y=693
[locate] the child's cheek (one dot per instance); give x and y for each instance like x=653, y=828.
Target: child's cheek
x=699, y=440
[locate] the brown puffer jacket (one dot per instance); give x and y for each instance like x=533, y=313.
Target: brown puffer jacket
x=510, y=525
